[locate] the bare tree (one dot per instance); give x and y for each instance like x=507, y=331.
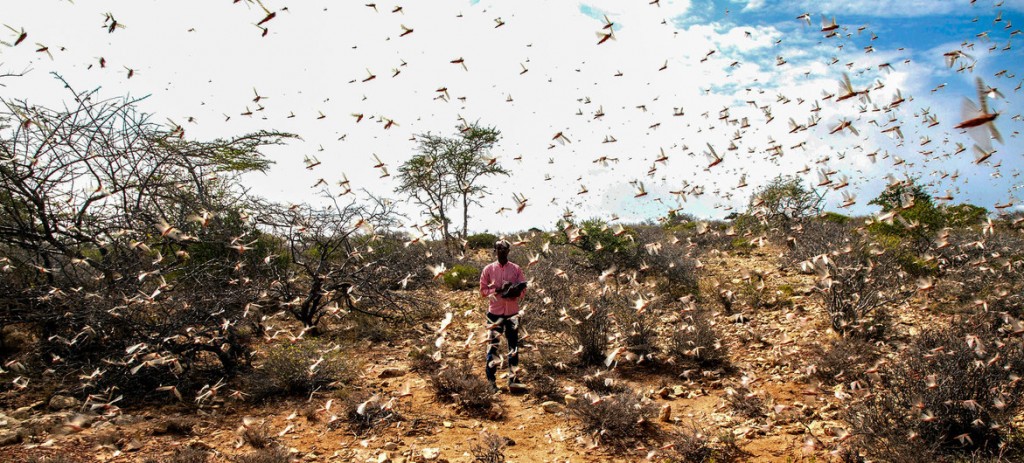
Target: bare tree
x=333, y=264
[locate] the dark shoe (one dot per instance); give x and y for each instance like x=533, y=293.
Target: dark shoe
x=494, y=387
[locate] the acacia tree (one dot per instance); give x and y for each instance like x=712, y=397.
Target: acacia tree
x=785, y=201
x=447, y=171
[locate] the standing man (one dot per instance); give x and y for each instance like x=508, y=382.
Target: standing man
x=503, y=284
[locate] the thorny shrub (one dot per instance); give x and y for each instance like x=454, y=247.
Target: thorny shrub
x=587, y=328
x=298, y=369
x=953, y=391
x=258, y=436
x=856, y=284
x=490, y=448
x=746, y=403
x=481, y=241
x=266, y=455
x=459, y=384
x=367, y=413
x=696, y=341
x=692, y=445
x=183, y=455
x=617, y=420
x=841, y=361
x=639, y=329
x=604, y=382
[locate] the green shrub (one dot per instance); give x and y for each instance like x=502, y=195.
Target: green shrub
x=481, y=241
x=288, y=370
x=603, y=246
x=461, y=277
x=835, y=217
x=964, y=215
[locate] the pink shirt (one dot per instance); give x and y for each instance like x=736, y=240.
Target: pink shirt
x=491, y=280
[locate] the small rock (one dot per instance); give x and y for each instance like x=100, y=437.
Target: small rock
x=431, y=453
x=382, y=458
x=392, y=372
x=569, y=399
x=7, y=422
x=63, y=402
x=666, y=414
x=9, y=437
x=133, y=445
x=664, y=392
x=551, y=407
x=22, y=413
x=391, y=446
x=447, y=424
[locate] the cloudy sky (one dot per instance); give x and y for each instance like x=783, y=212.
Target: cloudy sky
x=678, y=77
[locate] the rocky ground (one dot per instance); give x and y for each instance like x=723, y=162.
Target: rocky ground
x=769, y=350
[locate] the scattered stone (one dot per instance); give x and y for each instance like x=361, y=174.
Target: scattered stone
x=447, y=424
x=391, y=446
x=133, y=445
x=431, y=453
x=9, y=437
x=569, y=399
x=666, y=414
x=392, y=372
x=63, y=402
x=22, y=413
x=551, y=407
x=382, y=458
x=7, y=422
x=664, y=392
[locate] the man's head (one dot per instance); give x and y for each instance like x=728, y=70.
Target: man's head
x=501, y=248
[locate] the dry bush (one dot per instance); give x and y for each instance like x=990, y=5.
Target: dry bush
x=856, y=284
x=287, y=370
x=617, y=420
x=421, y=358
x=693, y=445
x=181, y=455
x=604, y=382
x=489, y=449
x=366, y=413
x=696, y=341
x=58, y=458
x=586, y=329
x=746, y=403
x=639, y=329
x=842, y=361
x=545, y=387
x=176, y=425
x=258, y=436
x=953, y=391
x=459, y=384
x=266, y=455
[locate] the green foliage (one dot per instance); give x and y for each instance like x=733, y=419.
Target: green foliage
x=835, y=217
x=918, y=219
x=461, y=277
x=784, y=201
x=481, y=240
x=445, y=176
x=964, y=215
x=604, y=246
